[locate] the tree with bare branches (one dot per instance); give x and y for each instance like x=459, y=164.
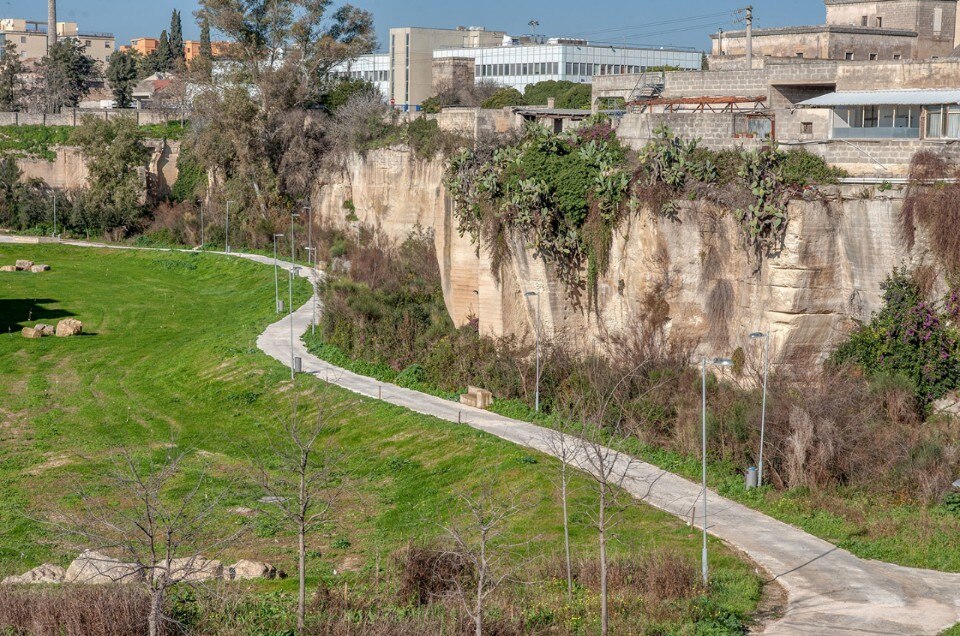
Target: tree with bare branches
x=480, y=540
x=564, y=447
x=157, y=519
x=298, y=477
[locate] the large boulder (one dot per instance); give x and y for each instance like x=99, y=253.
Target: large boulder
x=194, y=569
x=69, y=327
x=30, y=332
x=8, y=268
x=244, y=570
x=36, y=269
x=95, y=568
x=44, y=329
x=24, y=265
x=45, y=573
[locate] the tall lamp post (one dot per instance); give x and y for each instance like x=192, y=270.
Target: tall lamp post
x=536, y=398
x=276, y=274
x=294, y=270
x=202, y=205
x=312, y=254
x=54, y=214
x=309, y=210
x=293, y=245
x=227, y=229
x=720, y=362
x=763, y=409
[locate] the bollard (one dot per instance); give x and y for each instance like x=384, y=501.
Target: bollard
x=751, y=478
x=297, y=365
x=279, y=306
x=379, y=392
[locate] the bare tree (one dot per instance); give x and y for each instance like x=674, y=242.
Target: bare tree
x=156, y=527
x=298, y=477
x=480, y=541
x=564, y=447
x=599, y=409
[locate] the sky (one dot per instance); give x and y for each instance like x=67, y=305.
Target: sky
x=676, y=23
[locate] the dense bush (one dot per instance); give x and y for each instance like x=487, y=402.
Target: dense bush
x=504, y=97
x=566, y=94
x=909, y=337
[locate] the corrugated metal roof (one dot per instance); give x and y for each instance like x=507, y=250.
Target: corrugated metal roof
x=884, y=98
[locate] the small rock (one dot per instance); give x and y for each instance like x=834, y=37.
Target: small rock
x=8, y=268
x=45, y=573
x=36, y=269
x=69, y=327
x=244, y=570
x=194, y=569
x=95, y=568
x=30, y=332
x=44, y=329
x=24, y=265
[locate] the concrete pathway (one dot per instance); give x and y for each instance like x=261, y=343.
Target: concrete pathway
x=829, y=590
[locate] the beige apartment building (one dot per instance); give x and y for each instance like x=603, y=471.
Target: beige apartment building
x=30, y=37
x=411, y=58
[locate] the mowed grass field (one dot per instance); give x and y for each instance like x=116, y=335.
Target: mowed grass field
x=169, y=357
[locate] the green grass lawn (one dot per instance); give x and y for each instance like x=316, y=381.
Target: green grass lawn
x=170, y=355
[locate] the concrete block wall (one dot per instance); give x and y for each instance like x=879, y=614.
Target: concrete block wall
x=73, y=116
x=715, y=130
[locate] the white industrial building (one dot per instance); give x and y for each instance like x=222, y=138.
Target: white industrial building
x=374, y=68
x=404, y=74
x=520, y=64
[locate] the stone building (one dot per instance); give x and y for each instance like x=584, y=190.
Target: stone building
x=856, y=30
x=30, y=38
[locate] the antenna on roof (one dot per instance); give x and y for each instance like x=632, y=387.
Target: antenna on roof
x=533, y=24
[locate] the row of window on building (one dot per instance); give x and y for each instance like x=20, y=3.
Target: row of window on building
x=370, y=76
x=942, y=122
x=581, y=69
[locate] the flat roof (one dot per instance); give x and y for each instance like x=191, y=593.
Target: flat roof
x=885, y=98
x=819, y=28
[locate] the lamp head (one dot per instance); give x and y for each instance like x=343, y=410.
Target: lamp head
x=530, y=294
x=956, y=484
x=278, y=236
x=758, y=334
x=723, y=362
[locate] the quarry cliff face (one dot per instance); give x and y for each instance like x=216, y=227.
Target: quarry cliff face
x=691, y=274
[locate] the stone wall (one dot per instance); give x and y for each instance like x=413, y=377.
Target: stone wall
x=73, y=116
x=822, y=42
x=828, y=272
x=914, y=15
x=714, y=130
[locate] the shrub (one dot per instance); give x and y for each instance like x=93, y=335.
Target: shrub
x=803, y=168
x=429, y=573
x=910, y=337
x=504, y=97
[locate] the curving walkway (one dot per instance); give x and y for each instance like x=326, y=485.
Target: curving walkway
x=830, y=591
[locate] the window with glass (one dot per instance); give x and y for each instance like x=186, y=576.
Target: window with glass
x=877, y=122
x=943, y=122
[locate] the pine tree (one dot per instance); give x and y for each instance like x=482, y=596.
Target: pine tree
x=164, y=54
x=176, y=38
x=206, y=48
x=10, y=69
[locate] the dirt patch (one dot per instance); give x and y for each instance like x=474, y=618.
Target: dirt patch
x=55, y=461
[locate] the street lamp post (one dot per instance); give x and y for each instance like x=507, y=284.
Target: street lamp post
x=293, y=245
x=720, y=362
x=536, y=398
x=294, y=270
x=276, y=273
x=202, y=205
x=54, y=214
x=309, y=210
x=763, y=409
x=227, y=229
x=312, y=254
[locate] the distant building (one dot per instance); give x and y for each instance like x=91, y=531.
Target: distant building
x=144, y=46
x=855, y=30
x=517, y=63
x=374, y=68
x=30, y=38
x=421, y=61
x=191, y=49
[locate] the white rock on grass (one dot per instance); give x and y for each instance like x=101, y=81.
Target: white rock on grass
x=244, y=570
x=30, y=332
x=69, y=327
x=44, y=329
x=8, y=268
x=36, y=269
x=45, y=573
x=95, y=568
x=24, y=265
x=194, y=569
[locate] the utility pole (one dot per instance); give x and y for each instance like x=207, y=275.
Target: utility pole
x=720, y=42
x=51, y=23
x=749, y=11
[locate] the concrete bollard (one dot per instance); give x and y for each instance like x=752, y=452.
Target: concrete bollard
x=751, y=478
x=297, y=365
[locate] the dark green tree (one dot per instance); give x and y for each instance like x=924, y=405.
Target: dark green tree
x=164, y=61
x=114, y=152
x=176, y=39
x=10, y=69
x=66, y=74
x=123, y=70
x=206, y=48
x=508, y=96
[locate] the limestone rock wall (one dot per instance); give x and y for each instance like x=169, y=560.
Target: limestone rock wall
x=836, y=253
